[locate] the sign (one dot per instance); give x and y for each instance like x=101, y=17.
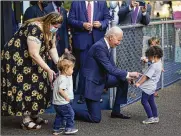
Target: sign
x=177, y=16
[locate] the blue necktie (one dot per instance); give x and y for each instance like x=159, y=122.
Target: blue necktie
x=109, y=50
x=113, y=14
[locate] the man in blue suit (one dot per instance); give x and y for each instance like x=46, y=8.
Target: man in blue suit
x=131, y=13
x=89, y=21
x=62, y=33
x=100, y=72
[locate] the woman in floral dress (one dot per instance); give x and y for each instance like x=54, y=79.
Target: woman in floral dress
x=26, y=77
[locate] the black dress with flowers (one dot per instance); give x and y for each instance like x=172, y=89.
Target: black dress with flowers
x=24, y=84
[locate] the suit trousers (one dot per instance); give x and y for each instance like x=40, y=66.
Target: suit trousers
x=93, y=112
x=80, y=56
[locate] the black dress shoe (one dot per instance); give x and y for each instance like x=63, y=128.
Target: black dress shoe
x=119, y=115
x=81, y=101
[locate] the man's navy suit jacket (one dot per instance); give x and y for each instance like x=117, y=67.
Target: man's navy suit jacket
x=126, y=16
x=33, y=12
x=78, y=15
x=62, y=33
x=98, y=65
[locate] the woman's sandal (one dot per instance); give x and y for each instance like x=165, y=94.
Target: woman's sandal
x=40, y=121
x=27, y=126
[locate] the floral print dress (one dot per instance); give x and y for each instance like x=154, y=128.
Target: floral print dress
x=24, y=84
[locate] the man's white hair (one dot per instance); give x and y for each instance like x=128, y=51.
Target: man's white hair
x=115, y=30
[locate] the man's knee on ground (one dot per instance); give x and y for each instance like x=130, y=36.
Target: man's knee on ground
x=96, y=120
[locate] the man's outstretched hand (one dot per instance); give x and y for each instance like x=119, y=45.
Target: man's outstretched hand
x=134, y=74
x=132, y=77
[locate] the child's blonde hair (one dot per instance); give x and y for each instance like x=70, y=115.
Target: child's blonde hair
x=157, y=40
x=66, y=61
x=68, y=56
x=64, y=64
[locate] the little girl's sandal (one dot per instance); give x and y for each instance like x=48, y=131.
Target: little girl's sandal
x=28, y=126
x=40, y=121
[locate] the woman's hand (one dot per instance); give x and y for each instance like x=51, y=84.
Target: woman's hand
x=51, y=75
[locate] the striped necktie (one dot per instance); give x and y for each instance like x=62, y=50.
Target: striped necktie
x=89, y=11
x=58, y=9
x=135, y=14
x=113, y=10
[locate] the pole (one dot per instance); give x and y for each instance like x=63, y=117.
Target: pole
x=162, y=80
x=112, y=94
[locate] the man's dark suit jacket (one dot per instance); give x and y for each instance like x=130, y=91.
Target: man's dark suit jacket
x=78, y=15
x=126, y=16
x=33, y=12
x=98, y=65
x=62, y=33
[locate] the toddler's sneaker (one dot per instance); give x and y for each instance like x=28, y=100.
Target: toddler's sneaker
x=58, y=132
x=71, y=131
x=62, y=128
x=149, y=121
x=156, y=119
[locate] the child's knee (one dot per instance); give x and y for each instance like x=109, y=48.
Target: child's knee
x=144, y=102
x=72, y=113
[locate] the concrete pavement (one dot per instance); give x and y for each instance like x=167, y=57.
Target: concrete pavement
x=169, y=107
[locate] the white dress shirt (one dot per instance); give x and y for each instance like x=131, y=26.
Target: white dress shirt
x=55, y=7
x=108, y=46
x=92, y=9
x=116, y=17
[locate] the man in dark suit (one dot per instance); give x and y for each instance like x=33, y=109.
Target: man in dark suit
x=62, y=33
x=100, y=72
x=89, y=21
x=6, y=23
x=36, y=10
x=131, y=13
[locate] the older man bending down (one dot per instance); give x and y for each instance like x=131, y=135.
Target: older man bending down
x=101, y=72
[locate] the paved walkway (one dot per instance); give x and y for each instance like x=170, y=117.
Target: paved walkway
x=169, y=106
